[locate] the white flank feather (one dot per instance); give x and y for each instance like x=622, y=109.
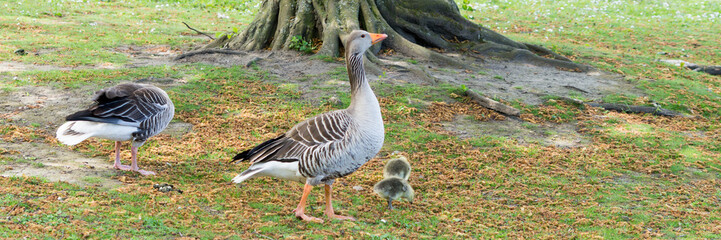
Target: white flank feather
x=74, y=132
x=282, y=170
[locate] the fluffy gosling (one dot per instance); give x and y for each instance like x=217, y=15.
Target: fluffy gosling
x=397, y=167
x=394, y=188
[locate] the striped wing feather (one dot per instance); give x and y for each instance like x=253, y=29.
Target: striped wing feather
x=131, y=103
x=311, y=140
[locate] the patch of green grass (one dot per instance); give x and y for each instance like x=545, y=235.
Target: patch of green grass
x=11, y=159
x=52, y=219
x=412, y=139
x=265, y=206
x=613, y=121
x=92, y=179
x=6, y=88
x=529, y=125
x=288, y=87
x=77, y=78
x=624, y=38
x=88, y=33
x=325, y=58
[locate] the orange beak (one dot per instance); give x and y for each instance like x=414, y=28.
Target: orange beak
x=375, y=37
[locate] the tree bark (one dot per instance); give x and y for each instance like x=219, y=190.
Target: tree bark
x=414, y=27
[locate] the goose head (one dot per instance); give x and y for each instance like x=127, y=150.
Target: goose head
x=409, y=194
x=359, y=41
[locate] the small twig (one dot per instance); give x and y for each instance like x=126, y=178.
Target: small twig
x=263, y=236
x=575, y=88
x=212, y=38
x=208, y=51
x=492, y=104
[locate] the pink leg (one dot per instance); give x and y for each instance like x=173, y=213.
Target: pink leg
x=117, y=158
x=329, y=206
x=134, y=164
x=300, y=210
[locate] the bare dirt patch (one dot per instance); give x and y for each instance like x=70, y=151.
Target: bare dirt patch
x=19, y=67
x=150, y=55
x=56, y=163
x=547, y=134
x=140, y=56
x=505, y=80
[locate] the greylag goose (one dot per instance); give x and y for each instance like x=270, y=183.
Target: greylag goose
x=330, y=145
x=126, y=112
x=397, y=167
x=394, y=188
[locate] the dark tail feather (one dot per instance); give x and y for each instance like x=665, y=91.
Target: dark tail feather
x=81, y=115
x=241, y=156
x=247, y=154
x=87, y=115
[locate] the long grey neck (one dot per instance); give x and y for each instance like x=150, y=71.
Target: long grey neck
x=356, y=72
x=363, y=100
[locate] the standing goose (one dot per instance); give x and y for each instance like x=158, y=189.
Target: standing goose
x=126, y=112
x=327, y=146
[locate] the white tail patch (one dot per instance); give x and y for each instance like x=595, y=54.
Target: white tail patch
x=282, y=170
x=74, y=132
x=244, y=176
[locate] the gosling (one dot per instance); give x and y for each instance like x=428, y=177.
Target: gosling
x=397, y=167
x=394, y=188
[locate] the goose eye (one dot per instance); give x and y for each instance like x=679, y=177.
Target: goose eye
x=363, y=35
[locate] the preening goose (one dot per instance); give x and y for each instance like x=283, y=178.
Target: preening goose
x=397, y=167
x=330, y=145
x=126, y=112
x=394, y=188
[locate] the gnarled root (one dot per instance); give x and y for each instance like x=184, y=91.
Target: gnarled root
x=413, y=26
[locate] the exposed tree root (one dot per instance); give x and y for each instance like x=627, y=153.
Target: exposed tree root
x=545, y=52
x=525, y=55
x=493, y=104
x=208, y=51
x=625, y=108
x=713, y=70
x=413, y=26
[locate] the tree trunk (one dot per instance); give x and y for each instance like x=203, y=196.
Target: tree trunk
x=413, y=26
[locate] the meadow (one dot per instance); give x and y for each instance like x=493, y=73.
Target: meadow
x=637, y=176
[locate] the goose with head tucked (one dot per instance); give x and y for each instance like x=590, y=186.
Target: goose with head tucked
x=398, y=166
x=330, y=145
x=394, y=188
x=126, y=112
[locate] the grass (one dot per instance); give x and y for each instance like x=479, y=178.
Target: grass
x=623, y=37
x=640, y=177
